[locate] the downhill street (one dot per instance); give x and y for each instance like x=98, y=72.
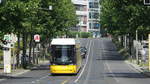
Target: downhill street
x=103, y=65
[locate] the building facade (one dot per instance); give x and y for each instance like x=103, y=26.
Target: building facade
x=82, y=15
x=94, y=17
x=88, y=12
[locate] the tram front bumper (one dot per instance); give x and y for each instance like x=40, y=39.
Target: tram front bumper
x=63, y=69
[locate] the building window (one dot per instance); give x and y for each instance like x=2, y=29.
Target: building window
x=90, y=25
x=81, y=8
x=94, y=25
x=93, y=15
x=93, y=5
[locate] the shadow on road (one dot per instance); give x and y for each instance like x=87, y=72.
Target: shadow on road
x=63, y=75
x=13, y=77
x=41, y=67
x=126, y=75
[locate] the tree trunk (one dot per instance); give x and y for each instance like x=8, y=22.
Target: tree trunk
x=30, y=48
x=18, y=51
x=34, y=54
x=24, y=60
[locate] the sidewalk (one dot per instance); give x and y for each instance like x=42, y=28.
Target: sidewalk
x=14, y=73
x=142, y=70
x=18, y=72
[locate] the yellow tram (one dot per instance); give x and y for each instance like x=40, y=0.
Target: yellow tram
x=65, y=56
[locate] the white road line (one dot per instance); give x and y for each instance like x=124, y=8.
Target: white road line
x=39, y=79
x=84, y=65
x=44, y=77
x=106, y=64
x=88, y=74
x=33, y=82
x=111, y=72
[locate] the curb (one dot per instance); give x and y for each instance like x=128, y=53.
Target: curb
x=137, y=68
x=24, y=71
x=17, y=74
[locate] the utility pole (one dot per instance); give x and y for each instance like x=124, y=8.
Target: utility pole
x=137, y=57
x=149, y=52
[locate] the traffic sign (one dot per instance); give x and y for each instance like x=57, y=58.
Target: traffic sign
x=7, y=38
x=37, y=38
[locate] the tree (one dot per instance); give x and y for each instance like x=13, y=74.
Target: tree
x=125, y=16
x=28, y=17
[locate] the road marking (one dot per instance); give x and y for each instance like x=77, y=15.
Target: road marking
x=39, y=79
x=111, y=72
x=89, y=70
x=108, y=67
x=84, y=65
x=64, y=82
x=33, y=82
x=43, y=77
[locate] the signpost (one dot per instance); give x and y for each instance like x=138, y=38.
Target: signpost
x=7, y=54
x=7, y=61
x=37, y=38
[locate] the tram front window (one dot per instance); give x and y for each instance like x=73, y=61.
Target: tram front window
x=63, y=54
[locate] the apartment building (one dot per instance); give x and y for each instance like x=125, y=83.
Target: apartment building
x=94, y=12
x=82, y=15
x=88, y=12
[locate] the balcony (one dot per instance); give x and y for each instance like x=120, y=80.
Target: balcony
x=82, y=13
x=82, y=24
x=80, y=2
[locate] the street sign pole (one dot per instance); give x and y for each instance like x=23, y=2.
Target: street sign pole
x=149, y=51
x=7, y=55
x=7, y=61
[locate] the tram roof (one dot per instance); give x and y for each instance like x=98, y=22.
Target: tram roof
x=63, y=41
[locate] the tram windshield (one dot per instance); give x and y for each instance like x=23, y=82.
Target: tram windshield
x=63, y=54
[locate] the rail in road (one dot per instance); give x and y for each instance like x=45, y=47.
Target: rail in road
x=103, y=65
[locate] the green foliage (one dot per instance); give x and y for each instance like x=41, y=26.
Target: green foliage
x=73, y=34
x=33, y=16
x=86, y=34
x=125, y=16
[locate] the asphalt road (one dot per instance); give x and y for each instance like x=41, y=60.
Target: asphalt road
x=103, y=65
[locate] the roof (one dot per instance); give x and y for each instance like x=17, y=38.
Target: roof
x=63, y=41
